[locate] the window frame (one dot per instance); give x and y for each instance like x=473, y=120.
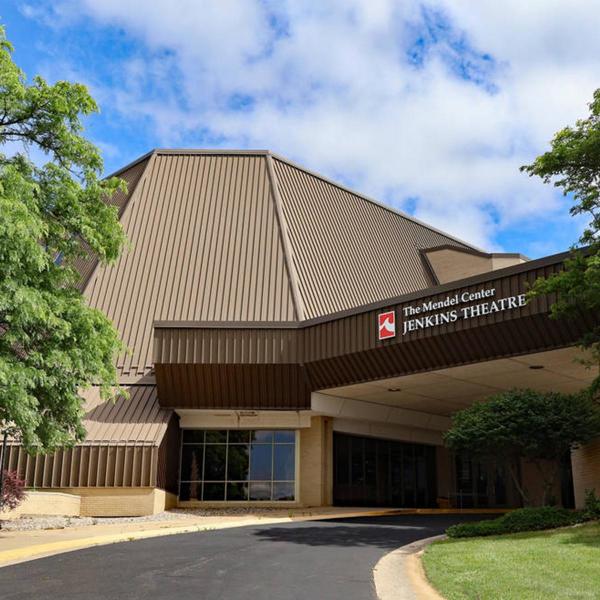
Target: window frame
x=273, y=443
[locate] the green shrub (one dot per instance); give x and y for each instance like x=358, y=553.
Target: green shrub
x=591, y=509
x=523, y=519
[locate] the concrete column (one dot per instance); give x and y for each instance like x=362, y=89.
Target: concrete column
x=316, y=468
x=585, y=462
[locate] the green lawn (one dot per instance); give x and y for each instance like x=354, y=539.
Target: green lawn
x=563, y=563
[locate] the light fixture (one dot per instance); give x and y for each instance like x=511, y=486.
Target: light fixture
x=536, y=367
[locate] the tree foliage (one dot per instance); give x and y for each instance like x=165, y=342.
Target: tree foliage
x=51, y=343
x=524, y=424
x=573, y=165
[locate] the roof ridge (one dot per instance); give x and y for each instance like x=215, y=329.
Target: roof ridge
x=391, y=209
x=285, y=241
x=270, y=153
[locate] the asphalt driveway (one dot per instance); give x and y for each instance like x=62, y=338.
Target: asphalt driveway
x=321, y=560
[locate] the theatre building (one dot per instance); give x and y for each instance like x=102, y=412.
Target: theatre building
x=295, y=343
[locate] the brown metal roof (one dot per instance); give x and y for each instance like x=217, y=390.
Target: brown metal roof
x=136, y=420
x=206, y=244
x=247, y=236
x=347, y=249
x=131, y=175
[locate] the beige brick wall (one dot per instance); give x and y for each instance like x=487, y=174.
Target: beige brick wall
x=316, y=463
x=586, y=470
x=122, y=502
x=46, y=503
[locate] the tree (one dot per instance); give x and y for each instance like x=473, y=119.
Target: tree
x=524, y=424
x=51, y=343
x=573, y=165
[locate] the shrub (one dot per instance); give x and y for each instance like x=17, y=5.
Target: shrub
x=523, y=519
x=13, y=491
x=591, y=510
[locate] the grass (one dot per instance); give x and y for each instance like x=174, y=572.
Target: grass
x=544, y=565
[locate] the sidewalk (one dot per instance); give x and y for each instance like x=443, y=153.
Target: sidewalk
x=19, y=546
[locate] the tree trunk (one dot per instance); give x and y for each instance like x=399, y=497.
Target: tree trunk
x=548, y=478
x=514, y=476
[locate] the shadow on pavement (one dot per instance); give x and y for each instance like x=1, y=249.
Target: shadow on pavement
x=382, y=532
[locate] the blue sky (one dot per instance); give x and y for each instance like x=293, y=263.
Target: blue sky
x=429, y=106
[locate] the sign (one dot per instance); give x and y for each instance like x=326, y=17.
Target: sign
x=441, y=312
x=387, y=324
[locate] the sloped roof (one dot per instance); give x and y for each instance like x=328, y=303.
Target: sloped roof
x=248, y=236
x=136, y=420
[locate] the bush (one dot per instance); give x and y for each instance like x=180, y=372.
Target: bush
x=591, y=510
x=523, y=519
x=13, y=491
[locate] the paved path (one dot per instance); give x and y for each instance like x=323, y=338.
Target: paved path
x=321, y=560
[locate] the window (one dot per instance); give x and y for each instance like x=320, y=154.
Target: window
x=238, y=465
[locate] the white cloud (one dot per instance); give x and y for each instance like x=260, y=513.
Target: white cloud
x=331, y=87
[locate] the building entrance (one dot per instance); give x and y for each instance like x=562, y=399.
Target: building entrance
x=376, y=472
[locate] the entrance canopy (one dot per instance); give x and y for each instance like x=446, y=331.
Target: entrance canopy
x=441, y=340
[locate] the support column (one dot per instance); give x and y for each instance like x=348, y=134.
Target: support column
x=585, y=462
x=316, y=457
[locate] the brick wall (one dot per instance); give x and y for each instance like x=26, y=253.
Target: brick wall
x=46, y=503
x=586, y=470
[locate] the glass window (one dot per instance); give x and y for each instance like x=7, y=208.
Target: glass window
x=284, y=463
x=193, y=436
x=216, y=437
x=238, y=462
x=260, y=490
x=283, y=490
x=261, y=461
x=237, y=491
x=283, y=436
x=214, y=491
x=191, y=463
x=262, y=436
x=190, y=490
x=241, y=436
x=238, y=465
x=214, y=464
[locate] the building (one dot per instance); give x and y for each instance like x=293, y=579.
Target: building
x=295, y=342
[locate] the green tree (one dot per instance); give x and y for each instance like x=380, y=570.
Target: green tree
x=573, y=165
x=51, y=343
x=524, y=424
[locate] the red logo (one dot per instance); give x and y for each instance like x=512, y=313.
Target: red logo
x=387, y=324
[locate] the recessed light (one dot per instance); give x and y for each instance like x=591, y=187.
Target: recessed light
x=394, y=389
x=536, y=367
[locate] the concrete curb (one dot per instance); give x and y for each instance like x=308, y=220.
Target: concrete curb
x=35, y=551
x=399, y=575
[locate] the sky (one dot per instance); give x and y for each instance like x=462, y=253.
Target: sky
x=427, y=106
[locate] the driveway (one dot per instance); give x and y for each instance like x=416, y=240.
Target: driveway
x=321, y=560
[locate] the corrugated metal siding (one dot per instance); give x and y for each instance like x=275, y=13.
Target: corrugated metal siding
x=234, y=387
x=344, y=349
x=227, y=346
x=206, y=246
x=88, y=466
x=347, y=250
x=121, y=448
